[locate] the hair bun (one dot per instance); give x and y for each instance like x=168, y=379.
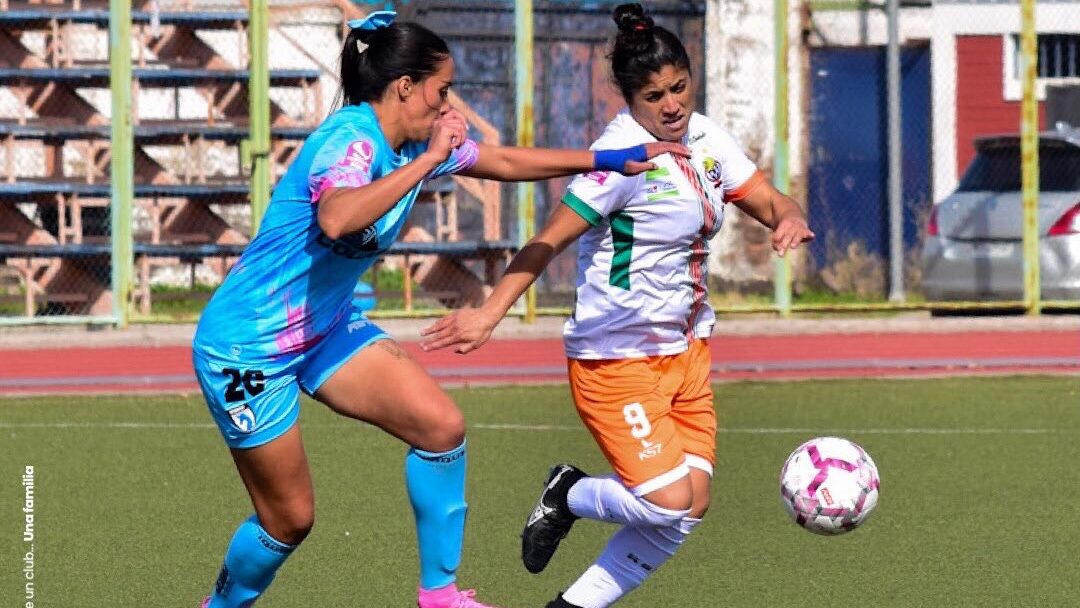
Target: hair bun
x=635, y=29
x=631, y=19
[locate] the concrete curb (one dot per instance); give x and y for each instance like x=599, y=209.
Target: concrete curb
x=408, y=330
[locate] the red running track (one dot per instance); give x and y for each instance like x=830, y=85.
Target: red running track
x=168, y=369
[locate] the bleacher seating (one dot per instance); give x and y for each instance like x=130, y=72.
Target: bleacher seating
x=40, y=17
x=491, y=253
x=54, y=226
x=164, y=76
x=68, y=220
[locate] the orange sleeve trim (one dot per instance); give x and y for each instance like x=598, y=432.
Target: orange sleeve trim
x=744, y=190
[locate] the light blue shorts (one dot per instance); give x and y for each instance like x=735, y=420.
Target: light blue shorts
x=254, y=403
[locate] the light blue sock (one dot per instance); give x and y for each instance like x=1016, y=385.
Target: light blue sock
x=436, y=484
x=250, y=564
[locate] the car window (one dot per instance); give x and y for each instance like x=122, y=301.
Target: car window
x=997, y=169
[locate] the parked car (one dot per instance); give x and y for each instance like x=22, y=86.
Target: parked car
x=974, y=249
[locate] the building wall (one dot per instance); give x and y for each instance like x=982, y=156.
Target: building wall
x=741, y=87
x=980, y=105
x=955, y=22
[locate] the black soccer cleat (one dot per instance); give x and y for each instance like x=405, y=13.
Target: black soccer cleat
x=550, y=520
x=559, y=602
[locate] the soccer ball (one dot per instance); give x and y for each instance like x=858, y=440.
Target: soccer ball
x=829, y=485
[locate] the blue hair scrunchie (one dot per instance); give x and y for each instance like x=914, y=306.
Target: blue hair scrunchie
x=374, y=21
x=615, y=160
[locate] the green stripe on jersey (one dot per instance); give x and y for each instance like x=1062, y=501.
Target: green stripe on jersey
x=622, y=240
x=582, y=208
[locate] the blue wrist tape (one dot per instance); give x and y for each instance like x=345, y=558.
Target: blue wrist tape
x=615, y=160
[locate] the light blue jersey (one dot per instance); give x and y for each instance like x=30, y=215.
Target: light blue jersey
x=293, y=283
x=292, y=288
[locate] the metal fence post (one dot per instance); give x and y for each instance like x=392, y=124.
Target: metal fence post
x=1029, y=153
x=781, y=172
x=259, y=109
x=896, y=204
x=121, y=164
x=523, y=106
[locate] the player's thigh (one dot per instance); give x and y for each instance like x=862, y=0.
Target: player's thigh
x=256, y=407
x=376, y=381
x=278, y=479
x=692, y=406
x=623, y=405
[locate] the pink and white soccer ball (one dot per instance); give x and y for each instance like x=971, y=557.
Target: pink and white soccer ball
x=829, y=485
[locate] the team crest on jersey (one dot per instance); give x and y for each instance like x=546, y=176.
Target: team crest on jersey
x=712, y=171
x=243, y=418
x=597, y=176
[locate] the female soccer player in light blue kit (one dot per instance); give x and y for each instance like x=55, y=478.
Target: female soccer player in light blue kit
x=282, y=323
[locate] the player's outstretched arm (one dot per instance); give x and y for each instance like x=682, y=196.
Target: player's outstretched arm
x=511, y=164
x=467, y=329
x=779, y=212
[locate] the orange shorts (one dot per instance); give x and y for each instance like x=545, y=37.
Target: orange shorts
x=650, y=414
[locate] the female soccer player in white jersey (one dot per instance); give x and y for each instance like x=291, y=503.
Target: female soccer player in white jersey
x=282, y=322
x=637, y=340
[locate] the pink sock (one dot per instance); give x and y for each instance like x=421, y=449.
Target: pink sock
x=437, y=598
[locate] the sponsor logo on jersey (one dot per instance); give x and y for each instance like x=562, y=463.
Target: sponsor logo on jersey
x=357, y=325
x=597, y=176
x=352, y=246
x=655, y=191
x=650, y=449
x=654, y=174
x=695, y=137
x=359, y=155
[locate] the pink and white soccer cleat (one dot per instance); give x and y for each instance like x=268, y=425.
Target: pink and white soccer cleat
x=205, y=603
x=449, y=597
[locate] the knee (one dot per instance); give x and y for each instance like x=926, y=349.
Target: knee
x=444, y=430
x=290, y=523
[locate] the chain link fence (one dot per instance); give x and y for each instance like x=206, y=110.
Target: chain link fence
x=54, y=211
x=960, y=89
x=974, y=248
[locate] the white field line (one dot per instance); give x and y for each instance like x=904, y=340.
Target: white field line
x=564, y=428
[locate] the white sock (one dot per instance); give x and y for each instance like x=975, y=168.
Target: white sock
x=607, y=499
x=630, y=557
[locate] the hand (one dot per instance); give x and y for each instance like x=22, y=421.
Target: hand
x=633, y=167
x=790, y=231
x=467, y=329
x=448, y=132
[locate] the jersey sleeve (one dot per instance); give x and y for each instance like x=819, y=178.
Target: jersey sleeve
x=345, y=160
x=597, y=194
x=736, y=175
x=461, y=158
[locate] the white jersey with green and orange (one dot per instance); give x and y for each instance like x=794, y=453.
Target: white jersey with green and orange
x=642, y=267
